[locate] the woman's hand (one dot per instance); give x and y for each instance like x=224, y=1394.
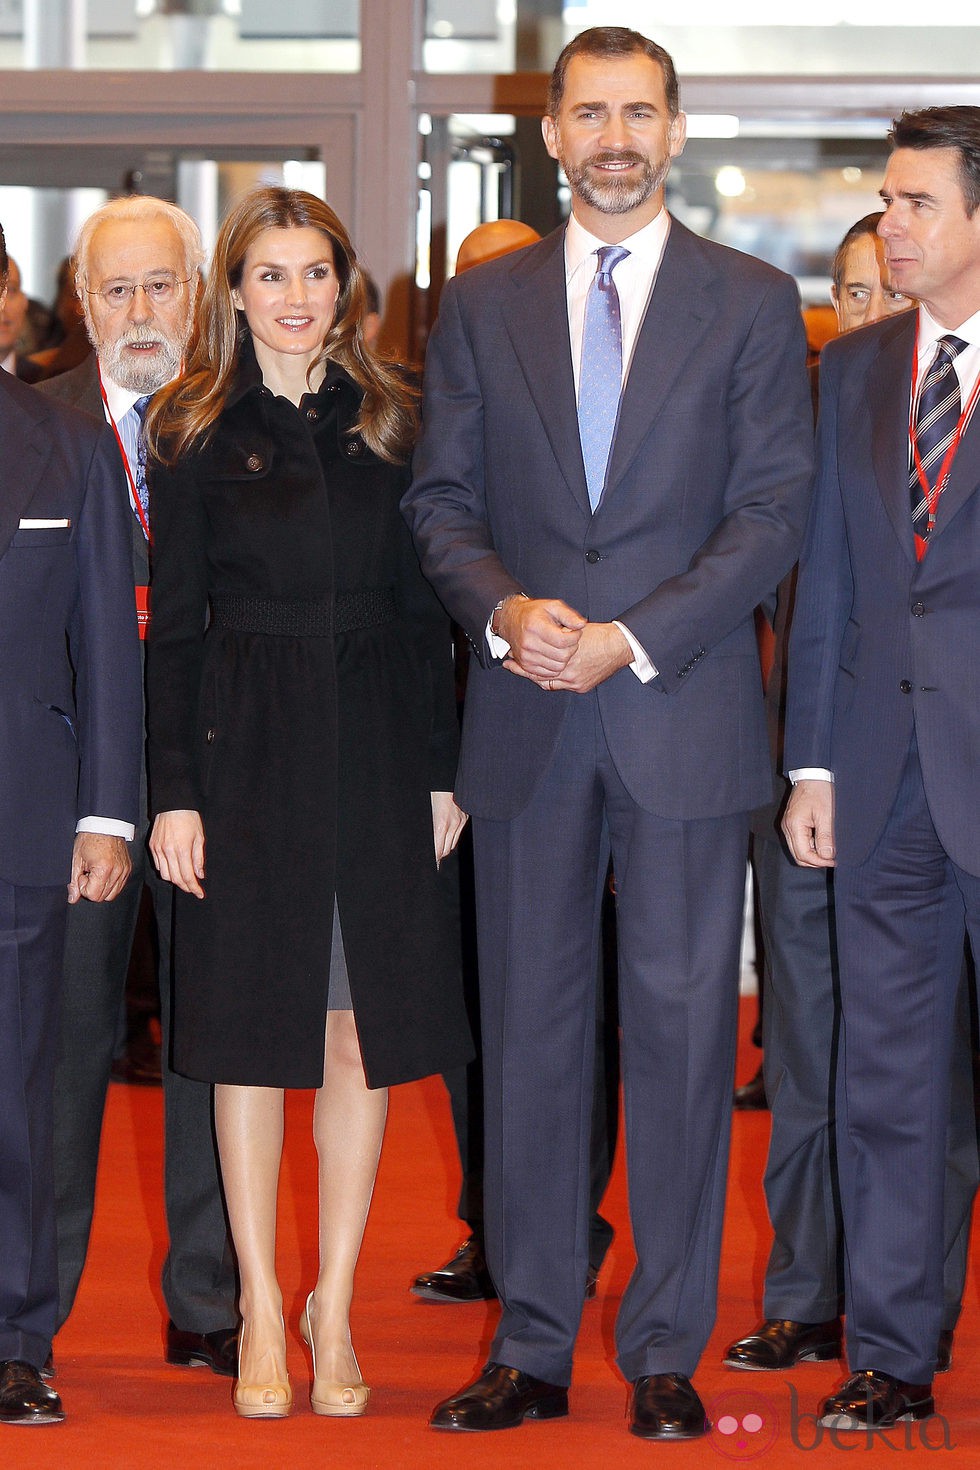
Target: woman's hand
x=177, y=845
x=448, y=822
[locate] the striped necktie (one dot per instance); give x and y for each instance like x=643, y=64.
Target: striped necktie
x=601, y=377
x=937, y=414
x=139, y=470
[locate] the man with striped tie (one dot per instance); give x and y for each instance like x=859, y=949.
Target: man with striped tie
x=882, y=732
x=136, y=267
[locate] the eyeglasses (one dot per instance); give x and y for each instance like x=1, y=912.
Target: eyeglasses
x=159, y=290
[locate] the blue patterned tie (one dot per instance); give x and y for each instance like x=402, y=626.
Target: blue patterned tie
x=936, y=415
x=601, y=377
x=139, y=478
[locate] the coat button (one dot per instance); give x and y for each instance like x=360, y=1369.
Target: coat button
x=210, y=736
x=592, y=557
x=918, y=609
x=254, y=462
x=906, y=686
x=312, y=414
x=353, y=447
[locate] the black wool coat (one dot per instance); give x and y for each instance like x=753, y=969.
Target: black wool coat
x=300, y=696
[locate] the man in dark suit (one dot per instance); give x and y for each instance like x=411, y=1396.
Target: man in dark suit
x=69, y=764
x=881, y=741
x=136, y=263
x=607, y=582
x=801, y=1299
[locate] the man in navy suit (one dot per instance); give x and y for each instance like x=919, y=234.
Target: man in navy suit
x=883, y=724
x=69, y=772
x=614, y=705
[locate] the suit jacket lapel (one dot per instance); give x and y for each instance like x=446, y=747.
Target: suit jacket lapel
x=889, y=386
x=22, y=459
x=537, y=306
x=676, y=318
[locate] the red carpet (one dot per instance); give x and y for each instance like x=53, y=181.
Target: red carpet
x=127, y=1409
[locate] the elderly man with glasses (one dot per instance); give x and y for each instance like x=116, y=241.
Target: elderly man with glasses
x=137, y=272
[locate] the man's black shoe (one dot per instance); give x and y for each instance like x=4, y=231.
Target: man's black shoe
x=463, y=1279
x=751, y=1096
x=215, y=1350
x=24, y=1396
x=666, y=1406
x=781, y=1343
x=501, y=1398
x=874, y=1400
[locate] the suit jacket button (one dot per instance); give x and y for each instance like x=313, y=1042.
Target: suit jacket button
x=312, y=414
x=592, y=557
x=353, y=447
x=254, y=462
x=210, y=736
x=906, y=686
x=918, y=609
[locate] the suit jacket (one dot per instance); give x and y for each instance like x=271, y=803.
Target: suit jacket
x=69, y=658
x=883, y=644
x=703, y=511
x=80, y=387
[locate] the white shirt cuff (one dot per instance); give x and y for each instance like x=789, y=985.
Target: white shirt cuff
x=499, y=647
x=108, y=827
x=641, y=665
x=810, y=773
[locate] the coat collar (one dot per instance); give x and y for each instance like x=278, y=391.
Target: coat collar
x=23, y=453
x=248, y=375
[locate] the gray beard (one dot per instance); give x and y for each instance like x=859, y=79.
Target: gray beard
x=615, y=195
x=127, y=371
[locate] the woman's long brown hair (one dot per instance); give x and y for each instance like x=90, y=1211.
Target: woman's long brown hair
x=183, y=414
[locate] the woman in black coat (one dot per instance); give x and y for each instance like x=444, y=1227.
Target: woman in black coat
x=302, y=729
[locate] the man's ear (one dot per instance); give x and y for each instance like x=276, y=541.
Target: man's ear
x=677, y=134
x=549, y=132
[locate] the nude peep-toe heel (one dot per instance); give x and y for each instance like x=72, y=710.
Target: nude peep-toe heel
x=260, y=1400
x=345, y=1400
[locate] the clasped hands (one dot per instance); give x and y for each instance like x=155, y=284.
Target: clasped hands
x=556, y=648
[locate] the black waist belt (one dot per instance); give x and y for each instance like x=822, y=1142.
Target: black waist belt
x=284, y=617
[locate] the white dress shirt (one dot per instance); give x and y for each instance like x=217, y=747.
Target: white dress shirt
x=635, y=278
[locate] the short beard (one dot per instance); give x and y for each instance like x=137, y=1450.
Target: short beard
x=136, y=376
x=616, y=194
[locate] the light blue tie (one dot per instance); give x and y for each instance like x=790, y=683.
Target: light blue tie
x=601, y=377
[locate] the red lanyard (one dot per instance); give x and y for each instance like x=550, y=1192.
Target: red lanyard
x=932, y=493
x=133, y=496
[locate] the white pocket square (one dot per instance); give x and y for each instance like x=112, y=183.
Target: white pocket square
x=34, y=525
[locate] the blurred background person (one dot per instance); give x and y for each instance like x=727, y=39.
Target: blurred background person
x=309, y=737
x=13, y=319
x=465, y=1277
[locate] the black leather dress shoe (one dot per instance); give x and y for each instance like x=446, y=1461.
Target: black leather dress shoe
x=944, y=1352
x=751, y=1096
x=24, y=1396
x=781, y=1343
x=215, y=1350
x=872, y=1399
x=666, y=1406
x=501, y=1398
x=465, y=1278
